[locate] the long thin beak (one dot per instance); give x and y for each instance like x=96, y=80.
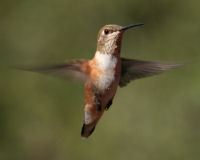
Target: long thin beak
x=130, y=26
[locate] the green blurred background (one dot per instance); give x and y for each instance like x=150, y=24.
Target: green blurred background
x=151, y=119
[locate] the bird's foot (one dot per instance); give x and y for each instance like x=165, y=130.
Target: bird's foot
x=109, y=104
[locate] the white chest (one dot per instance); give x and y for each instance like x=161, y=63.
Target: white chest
x=106, y=63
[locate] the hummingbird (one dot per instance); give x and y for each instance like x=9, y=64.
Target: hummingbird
x=104, y=73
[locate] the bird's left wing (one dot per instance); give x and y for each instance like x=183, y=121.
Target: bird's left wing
x=134, y=69
x=74, y=70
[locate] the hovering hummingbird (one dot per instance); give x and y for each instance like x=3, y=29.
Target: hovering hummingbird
x=104, y=73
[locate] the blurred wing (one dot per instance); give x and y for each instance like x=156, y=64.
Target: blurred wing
x=74, y=70
x=135, y=69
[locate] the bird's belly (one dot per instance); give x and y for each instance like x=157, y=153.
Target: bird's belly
x=104, y=81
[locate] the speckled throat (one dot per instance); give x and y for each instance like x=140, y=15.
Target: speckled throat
x=112, y=45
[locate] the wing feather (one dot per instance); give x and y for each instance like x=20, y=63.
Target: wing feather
x=134, y=69
x=74, y=70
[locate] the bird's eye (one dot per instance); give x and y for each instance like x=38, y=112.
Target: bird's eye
x=106, y=31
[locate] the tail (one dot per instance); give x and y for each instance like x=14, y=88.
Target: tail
x=87, y=130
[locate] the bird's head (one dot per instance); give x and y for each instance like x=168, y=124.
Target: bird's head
x=110, y=36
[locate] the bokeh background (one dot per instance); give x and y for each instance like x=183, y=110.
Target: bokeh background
x=151, y=119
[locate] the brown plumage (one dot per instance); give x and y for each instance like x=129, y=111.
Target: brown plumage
x=102, y=74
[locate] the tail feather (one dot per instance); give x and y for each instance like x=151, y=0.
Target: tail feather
x=87, y=130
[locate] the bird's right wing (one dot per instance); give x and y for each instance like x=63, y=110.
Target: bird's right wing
x=74, y=70
x=134, y=69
